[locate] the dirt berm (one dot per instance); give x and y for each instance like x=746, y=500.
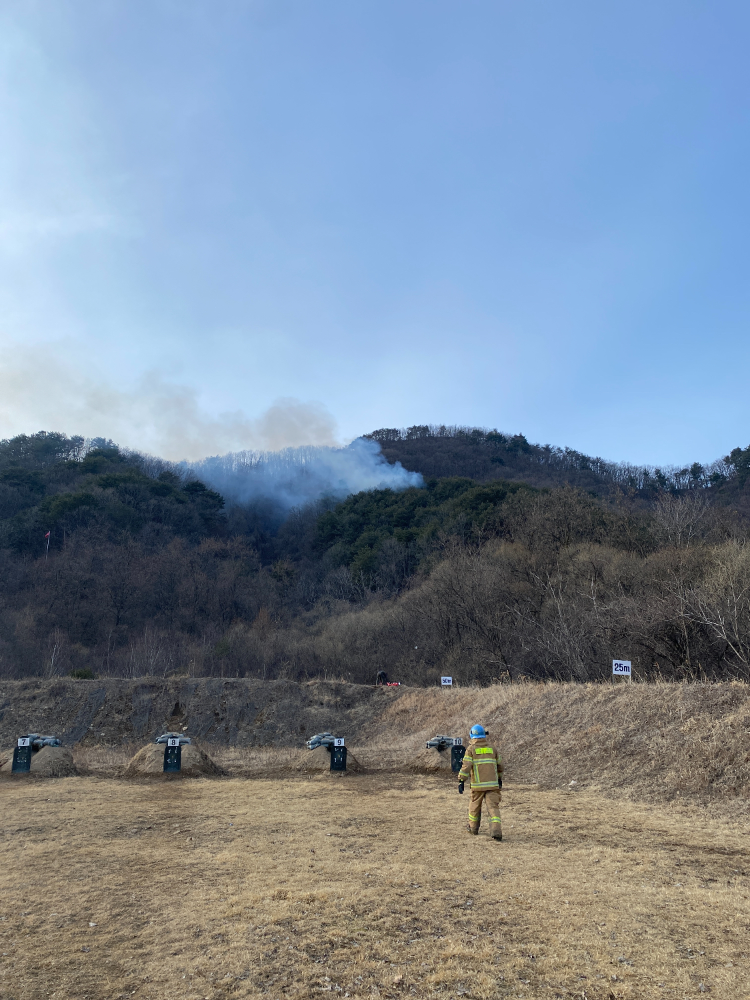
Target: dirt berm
x=49, y=762
x=319, y=760
x=237, y=713
x=194, y=763
x=653, y=742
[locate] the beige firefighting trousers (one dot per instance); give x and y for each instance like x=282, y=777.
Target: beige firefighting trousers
x=491, y=797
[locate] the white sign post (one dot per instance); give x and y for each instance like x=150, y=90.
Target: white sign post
x=173, y=741
x=446, y=682
x=339, y=742
x=24, y=741
x=621, y=668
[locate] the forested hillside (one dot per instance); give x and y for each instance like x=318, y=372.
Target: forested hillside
x=484, y=455
x=50, y=484
x=149, y=572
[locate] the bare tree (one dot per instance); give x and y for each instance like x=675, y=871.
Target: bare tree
x=722, y=601
x=678, y=517
x=149, y=655
x=53, y=666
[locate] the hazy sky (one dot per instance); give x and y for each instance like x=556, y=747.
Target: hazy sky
x=237, y=224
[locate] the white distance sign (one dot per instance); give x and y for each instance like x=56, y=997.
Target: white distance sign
x=172, y=742
x=458, y=741
x=621, y=668
x=446, y=682
x=339, y=742
x=24, y=741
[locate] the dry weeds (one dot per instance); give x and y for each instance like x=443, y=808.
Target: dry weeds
x=647, y=742
x=362, y=886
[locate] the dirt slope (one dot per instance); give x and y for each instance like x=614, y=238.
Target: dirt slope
x=231, y=712
x=655, y=743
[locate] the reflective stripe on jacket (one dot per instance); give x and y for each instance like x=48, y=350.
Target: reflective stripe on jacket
x=482, y=764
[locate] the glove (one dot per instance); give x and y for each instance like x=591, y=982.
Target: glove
x=460, y=788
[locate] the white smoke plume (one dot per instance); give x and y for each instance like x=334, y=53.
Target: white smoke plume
x=40, y=390
x=294, y=477
x=288, y=455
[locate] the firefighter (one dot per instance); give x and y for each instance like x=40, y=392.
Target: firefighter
x=483, y=765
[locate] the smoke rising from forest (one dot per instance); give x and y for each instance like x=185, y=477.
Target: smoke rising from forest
x=288, y=455
x=294, y=477
x=41, y=388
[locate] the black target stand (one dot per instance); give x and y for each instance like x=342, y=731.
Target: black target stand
x=457, y=755
x=338, y=755
x=172, y=757
x=21, y=757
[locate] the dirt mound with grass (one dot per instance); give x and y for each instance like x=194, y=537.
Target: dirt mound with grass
x=194, y=763
x=430, y=761
x=318, y=760
x=49, y=762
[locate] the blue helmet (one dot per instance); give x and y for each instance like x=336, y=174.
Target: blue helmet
x=477, y=732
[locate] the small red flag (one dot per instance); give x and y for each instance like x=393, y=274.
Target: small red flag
x=47, y=535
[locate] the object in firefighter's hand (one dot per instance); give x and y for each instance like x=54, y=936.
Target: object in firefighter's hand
x=460, y=788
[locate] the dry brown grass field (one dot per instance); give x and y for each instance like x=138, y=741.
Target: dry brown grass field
x=363, y=886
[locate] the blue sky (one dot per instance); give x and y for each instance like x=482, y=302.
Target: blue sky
x=250, y=224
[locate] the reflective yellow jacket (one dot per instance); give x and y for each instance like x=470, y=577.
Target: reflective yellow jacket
x=482, y=764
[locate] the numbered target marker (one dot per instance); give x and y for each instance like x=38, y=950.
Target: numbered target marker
x=339, y=742
x=457, y=755
x=21, y=756
x=446, y=682
x=172, y=756
x=621, y=668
